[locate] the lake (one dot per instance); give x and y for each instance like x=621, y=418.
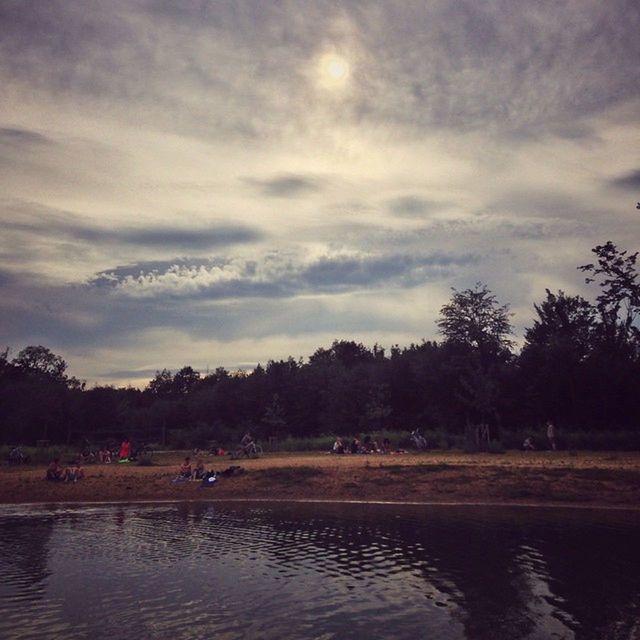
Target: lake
x=319, y=571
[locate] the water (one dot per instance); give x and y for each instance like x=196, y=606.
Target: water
x=205, y=570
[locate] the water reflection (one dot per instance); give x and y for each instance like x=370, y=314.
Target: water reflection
x=319, y=571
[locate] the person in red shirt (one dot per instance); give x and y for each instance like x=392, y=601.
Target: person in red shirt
x=125, y=449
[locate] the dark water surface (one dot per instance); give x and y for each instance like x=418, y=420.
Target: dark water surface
x=217, y=571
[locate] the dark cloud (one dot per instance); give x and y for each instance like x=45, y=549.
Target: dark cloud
x=36, y=220
x=413, y=206
x=540, y=203
x=286, y=186
x=10, y=136
x=406, y=271
x=183, y=238
x=128, y=374
x=629, y=181
x=6, y=278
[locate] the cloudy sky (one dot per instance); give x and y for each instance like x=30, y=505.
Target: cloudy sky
x=220, y=183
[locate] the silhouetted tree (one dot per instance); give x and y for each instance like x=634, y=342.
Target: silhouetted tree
x=474, y=318
x=619, y=299
x=185, y=381
x=477, y=329
x=40, y=361
x=161, y=386
x=553, y=362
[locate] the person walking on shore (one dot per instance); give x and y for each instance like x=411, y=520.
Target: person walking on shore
x=551, y=434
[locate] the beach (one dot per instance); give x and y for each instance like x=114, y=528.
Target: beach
x=603, y=479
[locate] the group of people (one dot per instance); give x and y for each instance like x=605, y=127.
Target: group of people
x=72, y=473
x=107, y=456
x=368, y=445
x=189, y=472
x=529, y=444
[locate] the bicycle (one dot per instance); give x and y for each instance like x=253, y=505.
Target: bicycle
x=17, y=456
x=250, y=450
x=142, y=453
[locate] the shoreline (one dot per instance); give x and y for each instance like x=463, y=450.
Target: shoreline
x=609, y=480
x=497, y=504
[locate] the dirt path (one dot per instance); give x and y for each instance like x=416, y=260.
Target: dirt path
x=604, y=479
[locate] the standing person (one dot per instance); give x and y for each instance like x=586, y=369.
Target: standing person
x=125, y=449
x=247, y=443
x=551, y=434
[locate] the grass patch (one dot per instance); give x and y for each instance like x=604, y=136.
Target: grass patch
x=292, y=474
x=414, y=470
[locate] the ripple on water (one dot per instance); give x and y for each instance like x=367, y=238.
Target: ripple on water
x=199, y=570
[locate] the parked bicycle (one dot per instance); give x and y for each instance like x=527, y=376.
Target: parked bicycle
x=250, y=450
x=17, y=456
x=141, y=452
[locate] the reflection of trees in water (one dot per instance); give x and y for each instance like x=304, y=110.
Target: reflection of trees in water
x=24, y=554
x=592, y=564
x=505, y=569
x=468, y=562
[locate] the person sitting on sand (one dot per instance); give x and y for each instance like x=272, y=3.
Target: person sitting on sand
x=104, y=455
x=199, y=471
x=74, y=473
x=185, y=468
x=338, y=447
x=54, y=471
x=528, y=445
x=355, y=446
x=386, y=446
x=184, y=472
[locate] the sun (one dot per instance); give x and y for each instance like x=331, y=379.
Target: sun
x=334, y=70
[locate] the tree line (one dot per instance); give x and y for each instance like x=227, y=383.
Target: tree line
x=579, y=366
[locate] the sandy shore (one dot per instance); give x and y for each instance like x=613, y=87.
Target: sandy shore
x=563, y=478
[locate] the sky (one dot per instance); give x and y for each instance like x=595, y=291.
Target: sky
x=217, y=183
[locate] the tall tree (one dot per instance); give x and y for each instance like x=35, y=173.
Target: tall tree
x=474, y=318
x=554, y=359
x=563, y=321
x=476, y=330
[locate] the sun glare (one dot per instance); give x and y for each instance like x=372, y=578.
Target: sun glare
x=334, y=70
